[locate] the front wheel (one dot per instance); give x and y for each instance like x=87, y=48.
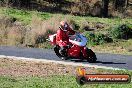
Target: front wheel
x=57, y=49
x=91, y=57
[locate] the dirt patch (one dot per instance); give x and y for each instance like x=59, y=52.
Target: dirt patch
x=11, y=67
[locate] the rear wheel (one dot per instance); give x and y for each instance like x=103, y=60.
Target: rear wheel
x=91, y=56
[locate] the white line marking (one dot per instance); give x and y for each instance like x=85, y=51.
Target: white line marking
x=58, y=62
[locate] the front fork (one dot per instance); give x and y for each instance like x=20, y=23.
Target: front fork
x=84, y=51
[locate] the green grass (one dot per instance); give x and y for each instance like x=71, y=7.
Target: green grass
x=31, y=80
x=117, y=47
x=25, y=16
x=56, y=81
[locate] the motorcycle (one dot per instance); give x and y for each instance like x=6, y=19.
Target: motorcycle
x=77, y=48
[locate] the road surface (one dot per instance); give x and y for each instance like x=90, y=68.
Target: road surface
x=108, y=60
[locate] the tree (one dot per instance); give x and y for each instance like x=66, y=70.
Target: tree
x=18, y=3
x=25, y=3
x=120, y=4
x=105, y=4
x=126, y=3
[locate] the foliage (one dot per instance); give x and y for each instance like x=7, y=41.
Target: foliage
x=75, y=7
x=121, y=32
x=24, y=16
x=38, y=23
x=97, y=38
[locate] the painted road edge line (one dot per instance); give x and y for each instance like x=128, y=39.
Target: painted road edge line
x=58, y=62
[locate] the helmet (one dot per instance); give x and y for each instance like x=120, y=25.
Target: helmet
x=64, y=25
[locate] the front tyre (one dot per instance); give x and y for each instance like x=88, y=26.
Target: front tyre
x=56, y=49
x=57, y=52
x=91, y=56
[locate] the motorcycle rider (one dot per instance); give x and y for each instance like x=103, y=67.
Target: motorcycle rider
x=62, y=37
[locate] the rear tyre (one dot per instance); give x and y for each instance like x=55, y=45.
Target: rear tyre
x=91, y=56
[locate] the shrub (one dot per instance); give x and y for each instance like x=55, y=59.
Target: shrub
x=84, y=25
x=40, y=29
x=96, y=9
x=97, y=38
x=5, y=24
x=37, y=34
x=121, y=32
x=71, y=22
x=16, y=35
x=80, y=8
x=91, y=38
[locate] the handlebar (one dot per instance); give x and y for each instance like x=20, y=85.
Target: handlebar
x=48, y=40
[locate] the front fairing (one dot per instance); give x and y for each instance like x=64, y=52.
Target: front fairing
x=52, y=38
x=78, y=39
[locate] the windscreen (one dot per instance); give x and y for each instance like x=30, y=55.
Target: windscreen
x=76, y=37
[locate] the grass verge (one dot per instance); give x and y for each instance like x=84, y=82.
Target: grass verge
x=30, y=74
x=117, y=47
x=51, y=82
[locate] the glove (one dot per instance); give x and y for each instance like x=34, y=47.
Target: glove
x=69, y=46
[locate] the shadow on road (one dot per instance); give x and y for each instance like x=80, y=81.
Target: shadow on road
x=98, y=62
x=108, y=62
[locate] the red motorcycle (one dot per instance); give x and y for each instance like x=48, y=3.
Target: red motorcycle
x=77, y=48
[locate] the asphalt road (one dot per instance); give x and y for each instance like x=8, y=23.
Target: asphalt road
x=109, y=60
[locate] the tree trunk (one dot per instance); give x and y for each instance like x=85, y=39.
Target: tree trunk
x=105, y=4
x=126, y=4
x=25, y=3
x=120, y=4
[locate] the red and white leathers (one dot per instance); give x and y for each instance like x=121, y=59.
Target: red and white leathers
x=62, y=38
